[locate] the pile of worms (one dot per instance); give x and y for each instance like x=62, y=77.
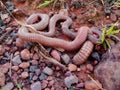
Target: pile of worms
x=84, y=38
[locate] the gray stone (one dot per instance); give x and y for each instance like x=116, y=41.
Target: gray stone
x=8, y=86
x=16, y=60
x=70, y=80
x=42, y=76
x=108, y=70
x=36, y=86
x=48, y=71
x=65, y=58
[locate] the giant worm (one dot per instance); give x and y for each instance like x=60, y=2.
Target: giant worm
x=83, y=53
x=40, y=25
x=24, y=34
x=52, y=23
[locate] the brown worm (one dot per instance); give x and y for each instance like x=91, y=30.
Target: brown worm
x=55, y=42
x=91, y=37
x=52, y=23
x=41, y=24
x=83, y=53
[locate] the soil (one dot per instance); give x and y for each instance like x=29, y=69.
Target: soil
x=22, y=67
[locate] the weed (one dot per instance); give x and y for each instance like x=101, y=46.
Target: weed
x=45, y=3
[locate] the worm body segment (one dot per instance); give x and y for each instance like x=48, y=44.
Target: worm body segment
x=83, y=53
x=55, y=42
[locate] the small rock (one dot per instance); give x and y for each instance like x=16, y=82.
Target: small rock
x=34, y=78
x=25, y=54
x=16, y=60
x=35, y=56
x=33, y=68
x=113, y=17
x=80, y=85
x=15, y=68
x=70, y=80
x=51, y=83
x=19, y=42
x=96, y=56
x=34, y=62
x=42, y=76
x=65, y=58
x=63, y=12
x=24, y=65
x=37, y=72
x=24, y=75
x=44, y=84
x=72, y=67
x=47, y=89
x=8, y=86
x=48, y=71
x=55, y=54
x=4, y=68
x=49, y=78
x=36, y=86
x=2, y=50
x=2, y=79
x=90, y=85
x=89, y=67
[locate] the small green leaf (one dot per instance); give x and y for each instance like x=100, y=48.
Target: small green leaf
x=114, y=32
x=44, y=4
x=104, y=45
x=103, y=34
x=110, y=30
x=107, y=43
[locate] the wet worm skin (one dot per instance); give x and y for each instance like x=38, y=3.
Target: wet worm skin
x=83, y=53
x=52, y=23
x=55, y=42
x=42, y=24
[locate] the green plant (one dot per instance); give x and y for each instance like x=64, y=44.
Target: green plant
x=117, y=3
x=18, y=86
x=107, y=33
x=45, y=3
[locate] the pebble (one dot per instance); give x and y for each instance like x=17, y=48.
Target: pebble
x=47, y=89
x=34, y=62
x=4, y=68
x=35, y=56
x=24, y=75
x=80, y=85
x=25, y=54
x=44, y=84
x=55, y=54
x=2, y=79
x=72, y=67
x=90, y=85
x=65, y=58
x=15, y=68
x=113, y=17
x=96, y=56
x=24, y=65
x=48, y=71
x=8, y=86
x=19, y=42
x=51, y=83
x=37, y=72
x=2, y=50
x=36, y=86
x=89, y=67
x=35, y=77
x=42, y=76
x=16, y=60
x=70, y=80
x=33, y=68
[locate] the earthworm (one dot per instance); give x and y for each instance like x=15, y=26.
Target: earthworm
x=92, y=38
x=52, y=23
x=24, y=34
x=40, y=25
x=83, y=53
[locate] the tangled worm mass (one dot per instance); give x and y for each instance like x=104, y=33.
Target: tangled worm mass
x=47, y=38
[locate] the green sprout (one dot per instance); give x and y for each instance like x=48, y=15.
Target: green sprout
x=45, y=3
x=107, y=33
